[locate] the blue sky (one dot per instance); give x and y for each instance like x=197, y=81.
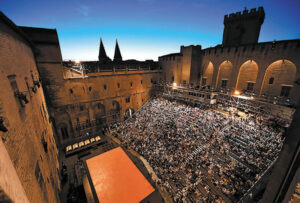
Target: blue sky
x=146, y=29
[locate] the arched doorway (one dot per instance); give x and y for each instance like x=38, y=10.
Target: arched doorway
x=207, y=75
x=115, y=111
x=247, y=76
x=279, y=78
x=128, y=113
x=224, y=74
x=99, y=114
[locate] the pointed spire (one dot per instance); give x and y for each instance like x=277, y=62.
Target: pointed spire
x=117, y=56
x=102, y=54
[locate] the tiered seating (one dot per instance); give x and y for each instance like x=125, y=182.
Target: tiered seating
x=171, y=136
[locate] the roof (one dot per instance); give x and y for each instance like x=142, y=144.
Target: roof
x=102, y=53
x=41, y=35
x=118, y=56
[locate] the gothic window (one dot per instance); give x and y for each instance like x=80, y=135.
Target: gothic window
x=250, y=86
x=141, y=81
x=128, y=100
x=90, y=88
x=172, y=78
x=204, y=81
x=64, y=132
x=224, y=83
x=41, y=112
x=45, y=145
x=118, y=85
x=13, y=83
x=38, y=174
x=104, y=86
x=271, y=81
x=130, y=84
x=285, y=91
x=71, y=91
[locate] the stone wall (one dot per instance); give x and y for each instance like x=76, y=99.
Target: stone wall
x=29, y=140
x=239, y=65
x=280, y=60
x=100, y=96
x=178, y=67
x=10, y=185
x=171, y=64
x=243, y=27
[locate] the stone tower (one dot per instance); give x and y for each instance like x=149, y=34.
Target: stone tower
x=243, y=28
x=102, y=54
x=118, y=56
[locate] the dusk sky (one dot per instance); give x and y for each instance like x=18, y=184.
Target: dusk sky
x=146, y=29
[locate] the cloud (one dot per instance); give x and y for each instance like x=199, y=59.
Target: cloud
x=83, y=10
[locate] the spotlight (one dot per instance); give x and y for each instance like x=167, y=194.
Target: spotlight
x=21, y=96
x=33, y=89
x=236, y=92
x=174, y=84
x=37, y=83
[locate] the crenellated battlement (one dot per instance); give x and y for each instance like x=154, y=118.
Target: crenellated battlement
x=259, y=12
x=243, y=27
x=283, y=46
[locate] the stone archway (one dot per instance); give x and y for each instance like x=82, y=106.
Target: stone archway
x=279, y=78
x=99, y=113
x=115, y=111
x=224, y=74
x=207, y=75
x=247, y=76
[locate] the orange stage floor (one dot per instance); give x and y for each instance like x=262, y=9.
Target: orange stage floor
x=116, y=179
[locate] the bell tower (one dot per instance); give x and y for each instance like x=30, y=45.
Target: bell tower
x=243, y=28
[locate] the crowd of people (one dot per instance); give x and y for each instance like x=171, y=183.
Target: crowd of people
x=201, y=154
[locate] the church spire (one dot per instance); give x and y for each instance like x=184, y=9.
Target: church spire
x=117, y=56
x=102, y=54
